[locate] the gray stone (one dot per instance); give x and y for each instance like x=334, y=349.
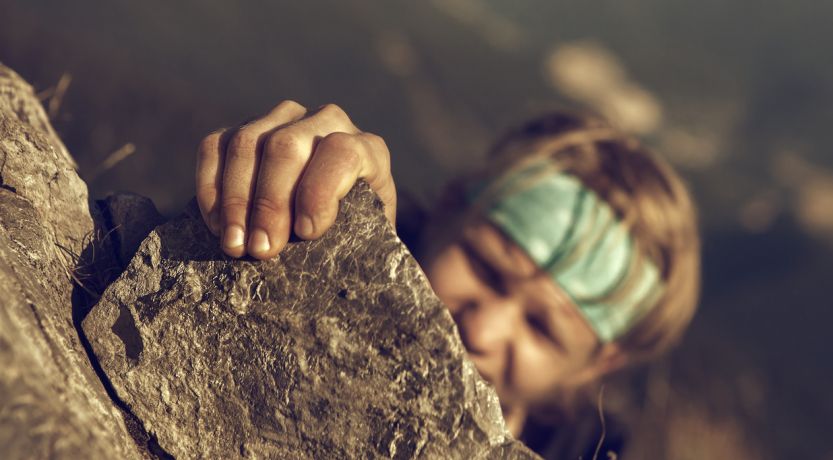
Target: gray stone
x=338, y=348
x=52, y=404
x=128, y=219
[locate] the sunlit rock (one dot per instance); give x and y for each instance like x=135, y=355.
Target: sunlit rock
x=338, y=348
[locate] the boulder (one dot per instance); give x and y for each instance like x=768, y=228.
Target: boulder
x=52, y=403
x=338, y=348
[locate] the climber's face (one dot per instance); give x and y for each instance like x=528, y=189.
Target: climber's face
x=523, y=333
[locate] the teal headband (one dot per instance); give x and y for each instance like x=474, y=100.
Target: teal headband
x=573, y=235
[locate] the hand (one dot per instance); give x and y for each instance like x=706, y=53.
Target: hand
x=286, y=170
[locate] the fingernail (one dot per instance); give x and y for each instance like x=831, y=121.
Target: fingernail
x=233, y=237
x=259, y=242
x=304, y=227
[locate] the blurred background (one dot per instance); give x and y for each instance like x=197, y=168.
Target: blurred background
x=737, y=94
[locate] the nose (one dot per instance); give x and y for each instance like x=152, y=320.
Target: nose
x=488, y=325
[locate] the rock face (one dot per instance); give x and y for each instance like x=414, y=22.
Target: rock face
x=336, y=349
x=52, y=404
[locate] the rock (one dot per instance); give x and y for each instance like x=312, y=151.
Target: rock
x=338, y=348
x=52, y=403
x=35, y=165
x=129, y=219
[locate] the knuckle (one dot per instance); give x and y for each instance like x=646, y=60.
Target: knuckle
x=290, y=105
x=265, y=206
x=380, y=149
x=374, y=139
x=285, y=145
x=341, y=142
x=380, y=143
x=333, y=111
x=234, y=203
x=209, y=144
x=243, y=144
x=352, y=156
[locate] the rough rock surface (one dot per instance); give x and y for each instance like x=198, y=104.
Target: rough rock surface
x=127, y=219
x=336, y=349
x=52, y=404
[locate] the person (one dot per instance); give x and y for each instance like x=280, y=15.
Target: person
x=571, y=253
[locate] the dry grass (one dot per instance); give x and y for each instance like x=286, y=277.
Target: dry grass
x=95, y=268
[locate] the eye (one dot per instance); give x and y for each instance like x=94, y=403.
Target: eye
x=539, y=325
x=484, y=270
x=543, y=329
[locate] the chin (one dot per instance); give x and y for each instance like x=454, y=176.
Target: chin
x=497, y=384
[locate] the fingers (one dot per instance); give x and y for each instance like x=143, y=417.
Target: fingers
x=286, y=153
x=242, y=157
x=379, y=177
x=209, y=177
x=252, y=181
x=339, y=160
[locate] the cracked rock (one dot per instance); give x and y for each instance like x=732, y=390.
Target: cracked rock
x=52, y=404
x=338, y=348
x=128, y=219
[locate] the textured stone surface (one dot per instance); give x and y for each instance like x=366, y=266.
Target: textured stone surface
x=128, y=219
x=52, y=404
x=336, y=349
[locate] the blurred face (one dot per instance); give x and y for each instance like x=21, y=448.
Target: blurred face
x=523, y=333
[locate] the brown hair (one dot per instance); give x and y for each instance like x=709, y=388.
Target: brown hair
x=645, y=193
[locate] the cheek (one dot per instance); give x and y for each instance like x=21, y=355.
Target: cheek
x=446, y=272
x=538, y=368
